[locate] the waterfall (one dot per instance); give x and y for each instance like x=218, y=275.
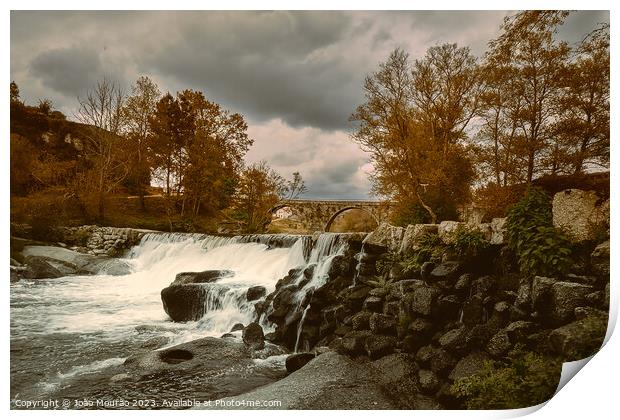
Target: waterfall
x=328, y=246
x=300, y=328
x=358, y=257
x=256, y=260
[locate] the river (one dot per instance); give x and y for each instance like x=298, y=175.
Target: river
x=70, y=335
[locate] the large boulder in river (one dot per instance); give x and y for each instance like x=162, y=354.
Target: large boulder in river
x=186, y=297
x=216, y=367
x=69, y=262
x=206, y=353
x=40, y=268
x=358, y=385
x=184, y=302
x=208, y=276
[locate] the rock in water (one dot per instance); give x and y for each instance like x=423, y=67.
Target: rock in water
x=39, y=268
x=184, y=302
x=253, y=336
x=237, y=327
x=255, y=293
x=208, y=276
x=297, y=361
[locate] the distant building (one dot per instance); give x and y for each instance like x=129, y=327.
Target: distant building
x=283, y=213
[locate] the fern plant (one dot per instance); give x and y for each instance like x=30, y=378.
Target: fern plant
x=430, y=248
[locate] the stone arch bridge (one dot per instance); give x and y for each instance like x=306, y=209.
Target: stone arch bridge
x=318, y=215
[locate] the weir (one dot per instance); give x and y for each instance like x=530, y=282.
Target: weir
x=256, y=260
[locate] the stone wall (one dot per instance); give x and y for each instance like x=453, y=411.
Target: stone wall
x=102, y=240
x=404, y=240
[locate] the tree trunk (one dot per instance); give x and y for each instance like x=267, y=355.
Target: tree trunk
x=427, y=208
x=530, y=167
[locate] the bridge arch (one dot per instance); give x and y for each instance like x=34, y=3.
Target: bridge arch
x=317, y=215
x=331, y=220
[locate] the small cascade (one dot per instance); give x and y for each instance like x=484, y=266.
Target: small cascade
x=327, y=247
x=358, y=257
x=300, y=328
x=309, y=276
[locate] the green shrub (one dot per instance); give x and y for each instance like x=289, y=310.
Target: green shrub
x=522, y=380
x=540, y=248
x=469, y=242
x=430, y=248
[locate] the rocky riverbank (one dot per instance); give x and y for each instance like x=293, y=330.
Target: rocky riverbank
x=451, y=316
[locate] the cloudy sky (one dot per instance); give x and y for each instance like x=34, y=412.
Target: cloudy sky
x=295, y=76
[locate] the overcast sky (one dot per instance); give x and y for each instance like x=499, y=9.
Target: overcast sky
x=295, y=76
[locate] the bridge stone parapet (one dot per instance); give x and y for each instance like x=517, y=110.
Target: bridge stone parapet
x=318, y=215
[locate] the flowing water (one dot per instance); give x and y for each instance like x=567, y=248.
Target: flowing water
x=69, y=335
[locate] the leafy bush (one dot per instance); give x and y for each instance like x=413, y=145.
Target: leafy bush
x=469, y=241
x=522, y=380
x=430, y=248
x=540, y=248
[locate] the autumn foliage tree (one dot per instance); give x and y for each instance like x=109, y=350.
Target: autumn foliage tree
x=583, y=128
x=138, y=109
x=260, y=188
x=545, y=106
x=413, y=123
x=444, y=123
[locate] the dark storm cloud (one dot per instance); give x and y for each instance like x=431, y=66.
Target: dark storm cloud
x=68, y=71
x=271, y=64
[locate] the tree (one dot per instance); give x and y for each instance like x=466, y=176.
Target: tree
x=295, y=187
x=444, y=88
x=45, y=106
x=534, y=62
x=14, y=92
x=497, y=136
x=138, y=110
x=260, y=188
x=102, y=108
x=23, y=161
x=412, y=129
x=583, y=127
x=214, y=152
